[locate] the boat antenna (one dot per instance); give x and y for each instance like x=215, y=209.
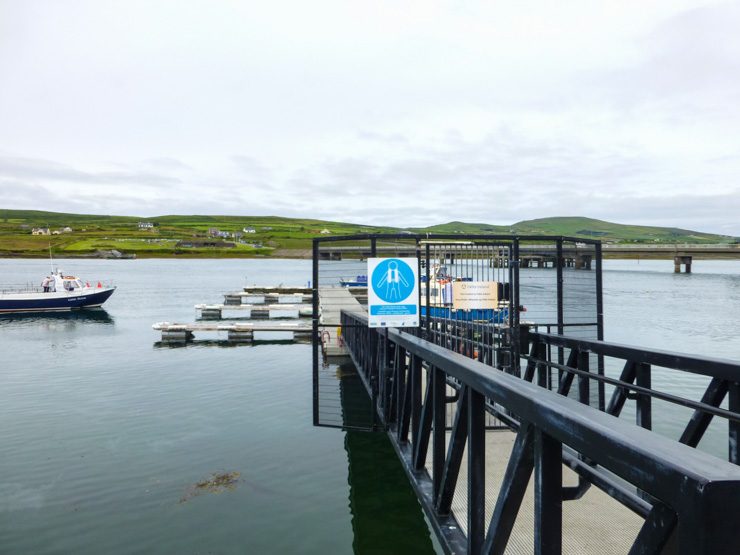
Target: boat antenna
x=51, y=259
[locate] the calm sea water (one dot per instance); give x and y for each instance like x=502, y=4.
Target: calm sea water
x=103, y=432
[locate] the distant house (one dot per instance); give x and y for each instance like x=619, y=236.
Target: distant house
x=196, y=244
x=40, y=231
x=249, y=230
x=67, y=229
x=56, y=232
x=146, y=225
x=325, y=231
x=213, y=231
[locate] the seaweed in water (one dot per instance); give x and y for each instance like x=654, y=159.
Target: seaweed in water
x=219, y=482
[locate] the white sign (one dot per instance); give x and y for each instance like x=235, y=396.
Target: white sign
x=474, y=294
x=393, y=292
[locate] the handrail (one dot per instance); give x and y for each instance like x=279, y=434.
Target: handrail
x=708, y=366
x=702, y=490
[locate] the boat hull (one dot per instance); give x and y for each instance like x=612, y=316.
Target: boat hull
x=473, y=315
x=54, y=302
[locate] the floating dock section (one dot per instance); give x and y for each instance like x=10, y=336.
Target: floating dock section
x=242, y=332
x=269, y=294
x=256, y=311
x=273, y=309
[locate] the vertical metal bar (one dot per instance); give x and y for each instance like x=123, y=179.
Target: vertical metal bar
x=514, y=308
x=372, y=373
x=439, y=421
x=373, y=247
x=543, y=370
x=418, y=284
x=644, y=402
x=428, y=291
x=416, y=370
x=600, y=320
x=315, y=329
x=548, y=482
x=476, y=472
x=734, y=426
x=583, y=381
x=559, y=266
x=400, y=383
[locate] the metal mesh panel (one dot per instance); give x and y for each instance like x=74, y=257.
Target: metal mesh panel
x=549, y=284
x=473, y=332
x=342, y=399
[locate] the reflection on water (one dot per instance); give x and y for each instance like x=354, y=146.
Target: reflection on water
x=225, y=343
x=386, y=516
x=88, y=315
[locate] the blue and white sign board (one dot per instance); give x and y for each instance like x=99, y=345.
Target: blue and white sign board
x=393, y=292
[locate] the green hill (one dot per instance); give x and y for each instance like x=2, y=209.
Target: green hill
x=587, y=228
x=246, y=236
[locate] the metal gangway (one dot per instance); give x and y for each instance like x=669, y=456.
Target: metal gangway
x=516, y=439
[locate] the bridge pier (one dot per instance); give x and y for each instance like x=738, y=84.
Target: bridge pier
x=679, y=260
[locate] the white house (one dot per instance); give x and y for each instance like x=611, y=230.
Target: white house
x=325, y=231
x=146, y=225
x=249, y=230
x=40, y=231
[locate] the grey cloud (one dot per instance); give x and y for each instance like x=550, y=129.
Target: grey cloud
x=36, y=169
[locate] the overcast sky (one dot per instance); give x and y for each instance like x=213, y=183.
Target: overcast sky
x=398, y=113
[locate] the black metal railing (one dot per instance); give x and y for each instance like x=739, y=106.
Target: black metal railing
x=635, y=381
x=676, y=489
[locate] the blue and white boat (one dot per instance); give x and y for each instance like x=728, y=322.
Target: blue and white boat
x=59, y=293
x=358, y=281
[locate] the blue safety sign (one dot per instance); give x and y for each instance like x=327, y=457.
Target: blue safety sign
x=393, y=292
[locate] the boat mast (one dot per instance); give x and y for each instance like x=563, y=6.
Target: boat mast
x=51, y=259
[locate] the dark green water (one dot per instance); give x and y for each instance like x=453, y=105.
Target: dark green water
x=103, y=432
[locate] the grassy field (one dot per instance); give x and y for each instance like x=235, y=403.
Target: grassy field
x=274, y=236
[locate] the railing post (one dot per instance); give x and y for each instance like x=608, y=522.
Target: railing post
x=559, y=278
x=514, y=309
x=584, y=363
x=543, y=370
x=427, y=302
x=734, y=426
x=600, y=320
x=476, y=471
x=439, y=417
x=548, y=482
x=315, y=330
x=644, y=401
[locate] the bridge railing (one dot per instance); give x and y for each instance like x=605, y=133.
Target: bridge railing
x=676, y=488
x=557, y=361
